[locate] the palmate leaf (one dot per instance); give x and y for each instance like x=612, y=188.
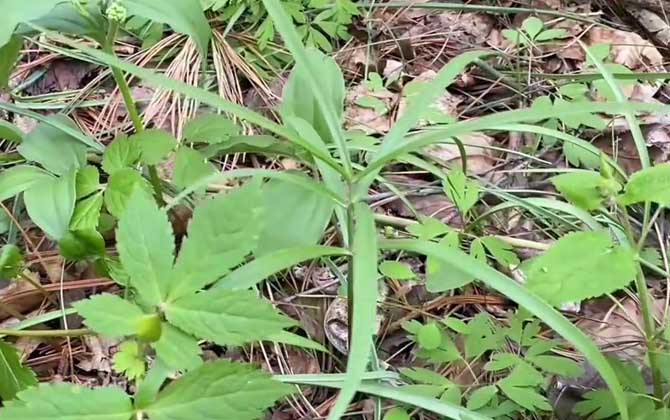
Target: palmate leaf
x=146, y=247
x=14, y=377
x=651, y=184
x=71, y=402
x=110, y=315
x=580, y=266
x=218, y=391
x=581, y=188
x=226, y=317
x=221, y=233
x=177, y=350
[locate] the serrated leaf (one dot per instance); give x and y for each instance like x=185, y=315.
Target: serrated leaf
x=501, y=251
x=50, y=204
x=429, y=336
x=177, y=350
x=226, y=317
x=184, y=16
x=463, y=192
x=190, y=166
x=580, y=266
x=120, y=187
x=129, y=361
x=650, y=184
x=77, y=245
x=17, y=179
x=210, y=128
x=221, y=233
x=218, y=391
x=11, y=262
x=154, y=145
x=88, y=181
x=146, y=247
x=109, y=315
x=396, y=270
x=288, y=225
x=481, y=397
x=527, y=398
x=121, y=154
x=71, y=402
x=501, y=361
x=55, y=150
x=598, y=404
x=652, y=256
x=14, y=377
x=87, y=213
x=558, y=365
x=581, y=188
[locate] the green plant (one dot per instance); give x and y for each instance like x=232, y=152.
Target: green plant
x=170, y=304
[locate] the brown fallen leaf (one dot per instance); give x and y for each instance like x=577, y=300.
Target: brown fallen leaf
x=628, y=48
x=368, y=111
x=654, y=23
x=479, y=159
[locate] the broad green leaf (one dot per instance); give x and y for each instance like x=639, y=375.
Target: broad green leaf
x=55, y=150
x=558, y=365
x=533, y=26
x=210, y=128
x=551, y=34
x=121, y=154
x=120, y=187
x=463, y=192
x=177, y=350
x=581, y=188
x=226, y=317
x=221, y=390
x=50, y=204
x=183, y=16
x=529, y=301
x=110, y=315
x=294, y=216
x=18, y=11
x=88, y=181
x=481, y=397
x=71, y=402
x=222, y=232
x=440, y=277
x=502, y=252
x=11, y=262
x=65, y=18
x=396, y=414
x=501, y=361
x=154, y=145
x=14, y=377
x=429, y=336
x=651, y=184
x=87, y=213
x=146, y=247
x=580, y=266
x=17, y=179
x=78, y=245
x=428, y=228
x=9, y=54
x=129, y=361
x=364, y=292
x=261, y=268
x=190, y=166
x=10, y=132
x=396, y=270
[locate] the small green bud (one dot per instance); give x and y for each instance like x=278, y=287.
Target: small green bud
x=389, y=232
x=117, y=12
x=605, y=168
x=149, y=328
x=609, y=188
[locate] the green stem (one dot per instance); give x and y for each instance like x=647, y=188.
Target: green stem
x=649, y=324
x=45, y=333
x=131, y=106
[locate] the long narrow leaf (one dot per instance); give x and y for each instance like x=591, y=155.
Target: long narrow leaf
x=293, y=178
x=205, y=97
x=285, y=27
x=525, y=298
x=260, y=269
x=364, y=306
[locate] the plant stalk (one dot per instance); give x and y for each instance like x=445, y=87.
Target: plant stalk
x=131, y=106
x=646, y=308
x=44, y=333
